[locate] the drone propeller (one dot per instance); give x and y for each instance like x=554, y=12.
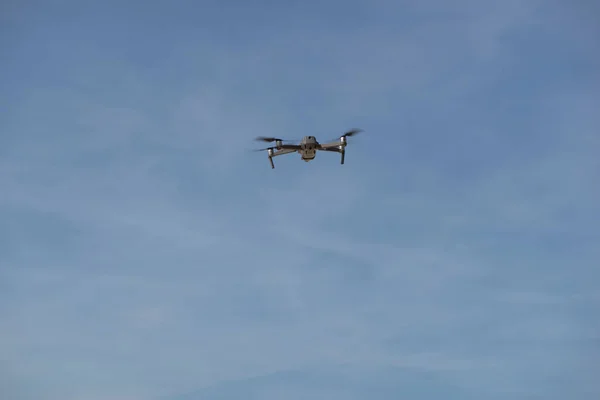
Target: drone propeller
x=349, y=133
x=267, y=139
x=271, y=139
x=352, y=132
x=266, y=148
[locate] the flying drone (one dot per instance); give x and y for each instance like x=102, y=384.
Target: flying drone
x=308, y=147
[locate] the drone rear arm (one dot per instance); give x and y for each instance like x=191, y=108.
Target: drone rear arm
x=331, y=146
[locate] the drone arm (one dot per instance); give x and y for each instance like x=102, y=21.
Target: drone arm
x=336, y=147
x=283, y=151
x=331, y=146
x=287, y=149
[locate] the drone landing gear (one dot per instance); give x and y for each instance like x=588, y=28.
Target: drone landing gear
x=271, y=161
x=343, y=155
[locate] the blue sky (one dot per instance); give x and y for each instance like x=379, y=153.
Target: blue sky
x=147, y=253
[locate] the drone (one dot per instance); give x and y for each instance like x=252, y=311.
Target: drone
x=307, y=148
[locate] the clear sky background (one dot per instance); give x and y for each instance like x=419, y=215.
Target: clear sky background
x=147, y=253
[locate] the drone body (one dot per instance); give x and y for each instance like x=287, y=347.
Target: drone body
x=308, y=147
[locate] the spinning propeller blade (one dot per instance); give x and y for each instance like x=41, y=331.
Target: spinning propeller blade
x=268, y=139
x=352, y=132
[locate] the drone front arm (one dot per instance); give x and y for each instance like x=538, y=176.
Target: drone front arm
x=335, y=147
x=286, y=149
